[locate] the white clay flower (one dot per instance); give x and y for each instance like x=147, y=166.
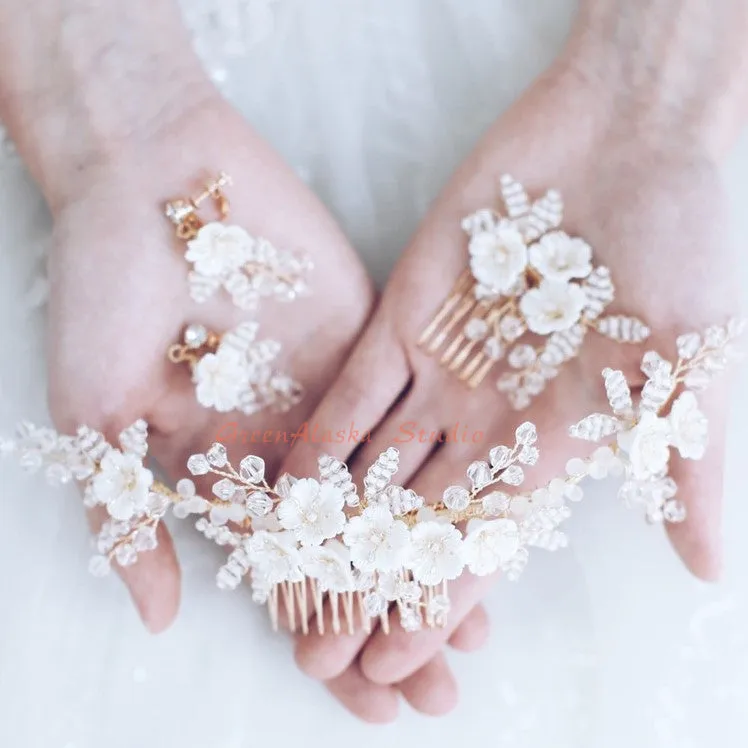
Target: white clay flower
x=330, y=565
x=220, y=378
x=490, y=545
x=218, y=250
x=123, y=484
x=689, y=427
x=552, y=306
x=377, y=540
x=560, y=257
x=435, y=552
x=647, y=445
x=312, y=511
x=274, y=557
x=499, y=257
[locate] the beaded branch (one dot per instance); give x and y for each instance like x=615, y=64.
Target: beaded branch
x=366, y=551
x=526, y=277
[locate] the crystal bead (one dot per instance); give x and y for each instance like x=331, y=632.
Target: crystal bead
x=499, y=457
x=198, y=465
x=476, y=329
x=252, y=469
x=529, y=455
x=456, y=498
x=511, y=328
x=513, y=475
x=520, y=505
x=438, y=609
x=374, y=604
x=674, y=511
x=217, y=456
x=178, y=210
x=519, y=399
x=125, y=554
x=479, y=474
x=58, y=474
x=410, y=619
x=534, y=383
x=493, y=349
x=30, y=461
x=521, y=356
x=283, y=485
x=574, y=492
x=688, y=345
x=526, y=434
x=715, y=337
x=145, y=539
x=99, y=566
x=496, y=503
x=259, y=504
x=508, y=382
x=224, y=489
x=195, y=336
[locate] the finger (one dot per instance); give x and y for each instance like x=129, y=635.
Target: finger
x=698, y=540
x=412, y=427
x=364, y=699
x=153, y=581
x=390, y=658
x=433, y=689
x=473, y=632
x=328, y=655
x=372, y=380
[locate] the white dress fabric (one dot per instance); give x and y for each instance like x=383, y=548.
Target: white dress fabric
x=609, y=644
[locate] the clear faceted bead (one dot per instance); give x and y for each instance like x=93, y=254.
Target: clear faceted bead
x=259, y=504
x=145, y=539
x=674, y=511
x=374, y=604
x=493, y=349
x=521, y=356
x=456, y=498
x=479, y=474
x=496, y=503
x=526, y=433
x=224, y=489
x=499, y=457
x=511, y=328
x=217, y=456
x=476, y=329
x=125, y=554
x=252, y=469
x=198, y=465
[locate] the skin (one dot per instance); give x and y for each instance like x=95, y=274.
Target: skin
x=113, y=116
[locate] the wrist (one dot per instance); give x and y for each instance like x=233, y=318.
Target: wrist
x=110, y=79
x=671, y=74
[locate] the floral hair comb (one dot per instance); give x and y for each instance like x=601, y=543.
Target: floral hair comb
x=304, y=541
x=525, y=276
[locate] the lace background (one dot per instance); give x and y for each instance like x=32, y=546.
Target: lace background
x=607, y=645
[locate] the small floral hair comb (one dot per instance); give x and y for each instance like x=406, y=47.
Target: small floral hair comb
x=248, y=268
x=525, y=276
x=304, y=541
x=235, y=371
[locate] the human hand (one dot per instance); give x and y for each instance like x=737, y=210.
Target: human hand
x=650, y=209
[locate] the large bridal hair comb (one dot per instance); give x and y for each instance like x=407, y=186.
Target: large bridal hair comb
x=366, y=550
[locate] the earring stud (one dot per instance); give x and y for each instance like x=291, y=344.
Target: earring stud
x=225, y=256
x=235, y=371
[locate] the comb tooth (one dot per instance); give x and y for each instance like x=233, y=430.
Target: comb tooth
x=349, y=612
x=480, y=375
x=472, y=365
x=457, y=294
x=462, y=311
x=300, y=591
x=332, y=598
x=459, y=345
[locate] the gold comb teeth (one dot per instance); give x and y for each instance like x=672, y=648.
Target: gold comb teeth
x=525, y=276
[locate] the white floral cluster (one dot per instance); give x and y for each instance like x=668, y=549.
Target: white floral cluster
x=248, y=268
x=239, y=374
x=317, y=536
x=667, y=417
x=112, y=478
x=531, y=276
x=304, y=541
